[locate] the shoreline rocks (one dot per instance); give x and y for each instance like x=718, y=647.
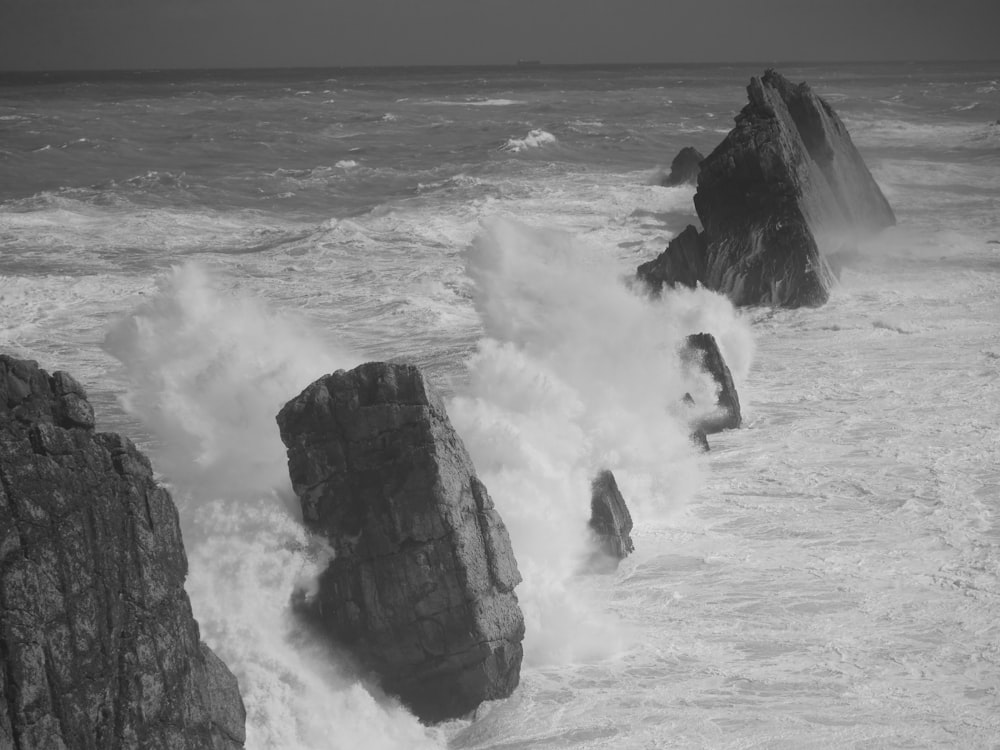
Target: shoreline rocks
x=99, y=643
x=610, y=520
x=684, y=168
x=702, y=350
x=784, y=193
x=421, y=590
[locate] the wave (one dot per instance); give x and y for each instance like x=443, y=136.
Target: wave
x=534, y=139
x=475, y=102
x=208, y=368
x=577, y=373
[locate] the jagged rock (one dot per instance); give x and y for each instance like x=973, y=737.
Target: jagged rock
x=783, y=193
x=422, y=585
x=698, y=436
x=683, y=262
x=609, y=518
x=99, y=647
x=703, y=350
x=684, y=168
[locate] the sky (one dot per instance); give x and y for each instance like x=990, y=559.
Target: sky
x=134, y=34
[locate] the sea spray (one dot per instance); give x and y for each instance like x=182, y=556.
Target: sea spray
x=577, y=373
x=208, y=371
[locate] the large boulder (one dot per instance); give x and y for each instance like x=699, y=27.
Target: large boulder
x=684, y=168
x=784, y=193
x=99, y=647
x=610, y=519
x=702, y=351
x=421, y=589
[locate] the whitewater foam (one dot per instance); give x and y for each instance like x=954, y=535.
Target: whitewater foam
x=534, y=139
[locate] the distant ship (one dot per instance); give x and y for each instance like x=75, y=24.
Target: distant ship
x=528, y=62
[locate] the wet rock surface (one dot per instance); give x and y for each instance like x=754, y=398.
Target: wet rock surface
x=99, y=646
x=684, y=168
x=422, y=586
x=785, y=192
x=610, y=519
x=702, y=350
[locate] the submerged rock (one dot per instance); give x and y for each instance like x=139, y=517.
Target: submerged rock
x=703, y=350
x=422, y=585
x=784, y=192
x=610, y=519
x=684, y=168
x=99, y=646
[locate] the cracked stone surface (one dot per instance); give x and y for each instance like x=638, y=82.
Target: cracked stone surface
x=98, y=646
x=422, y=586
x=782, y=201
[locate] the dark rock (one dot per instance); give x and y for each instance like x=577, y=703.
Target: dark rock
x=683, y=262
x=702, y=349
x=609, y=517
x=422, y=586
x=684, y=168
x=782, y=192
x=99, y=647
x=697, y=436
x=700, y=438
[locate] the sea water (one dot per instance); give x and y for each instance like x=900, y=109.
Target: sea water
x=197, y=247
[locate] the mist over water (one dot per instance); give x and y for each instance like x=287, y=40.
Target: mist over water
x=197, y=251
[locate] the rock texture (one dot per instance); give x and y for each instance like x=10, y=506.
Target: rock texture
x=702, y=350
x=422, y=586
x=609, y=517
x=784, y=192
x=684, y=168
x=98, y=647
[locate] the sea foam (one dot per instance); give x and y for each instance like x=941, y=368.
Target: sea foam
x=208, y=369
x=577, y=373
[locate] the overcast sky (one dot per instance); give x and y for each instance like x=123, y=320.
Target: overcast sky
x=107, y=34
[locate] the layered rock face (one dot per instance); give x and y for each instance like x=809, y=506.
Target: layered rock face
x=783, y=193
x=610, y=519
x=702, y=350
x=99, y=647
x=422, y=585
x=684, y=168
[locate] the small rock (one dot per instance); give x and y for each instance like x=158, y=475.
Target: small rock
x=610, y=519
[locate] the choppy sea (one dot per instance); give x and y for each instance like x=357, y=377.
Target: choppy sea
x=197, y=247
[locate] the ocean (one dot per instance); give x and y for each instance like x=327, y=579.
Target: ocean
x=196, y=247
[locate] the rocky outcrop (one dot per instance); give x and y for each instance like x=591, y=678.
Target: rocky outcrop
x=702, y=350
x=683, y=262
x=784, y=193
x=698, y=436
x=684, y=168
x=98, y=644
x=422, y=586
x=610, y=519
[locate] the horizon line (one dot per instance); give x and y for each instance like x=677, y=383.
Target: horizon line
x=535, y=65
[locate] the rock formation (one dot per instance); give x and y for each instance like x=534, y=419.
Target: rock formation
x=702, y=350
x=784, y=192
x=609, y=518
x=698, y=435
x=99, y=648
x=422, y=586
x=684, y=168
